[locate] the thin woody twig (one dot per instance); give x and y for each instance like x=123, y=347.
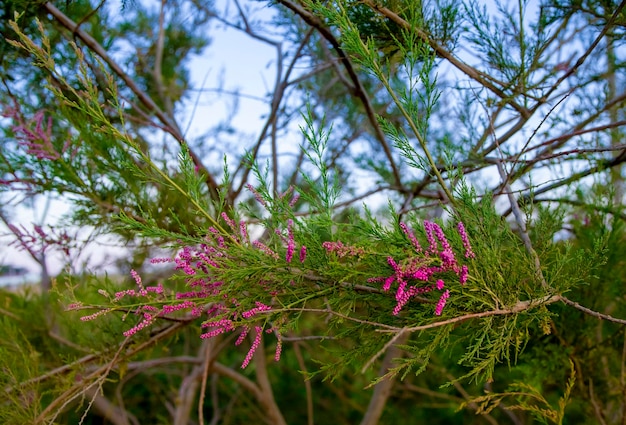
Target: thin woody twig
x=307, y=384
x=517, y=308
x=205, y=377
x=592, y=312
x=383, y=350
x=521, y=224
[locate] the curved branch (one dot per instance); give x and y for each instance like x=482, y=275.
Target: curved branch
x=590, y=49
x=592, y=312
x=517, y=308
x=471, y=72
x=170, y=126
x=382, y=389
x=604, y=165
x=359, y=90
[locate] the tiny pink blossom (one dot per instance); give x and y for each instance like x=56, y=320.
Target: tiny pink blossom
x=440, y=284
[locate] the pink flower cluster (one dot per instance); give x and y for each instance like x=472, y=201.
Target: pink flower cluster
x=412, y=276
x=35, y=135
x=291, y=243
x=341, y=250
x=142, y=291
x=224, y=325
x=38, y=241
x=149, y=312
x=200, y=265
x=261, y=200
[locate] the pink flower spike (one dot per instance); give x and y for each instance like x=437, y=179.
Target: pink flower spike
x=432, y=243
x=286, y=192
x=302, y=254
x=253, y=348
x=409, y=233
x=242, y=335
x=441, y=236
x=279, y=348
x=256, y=194
x=73, y=306
x=469, y=253
x=243, y=231
x=442, y=302
x=259, y=308
x=212, y=333
x=96, y=314
x=181, y=306
x=291, y=245
x=262, y=307
x=137, y=278
x=160, y=260
x=463, y=275
x=229, y=221
x=121, y=294
x=222, y=323
x=148, y=319
x=294, y=200
x=447, y=258
x=393, y=264
x=266, y=249
x=156, y=289
x=388, y=282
